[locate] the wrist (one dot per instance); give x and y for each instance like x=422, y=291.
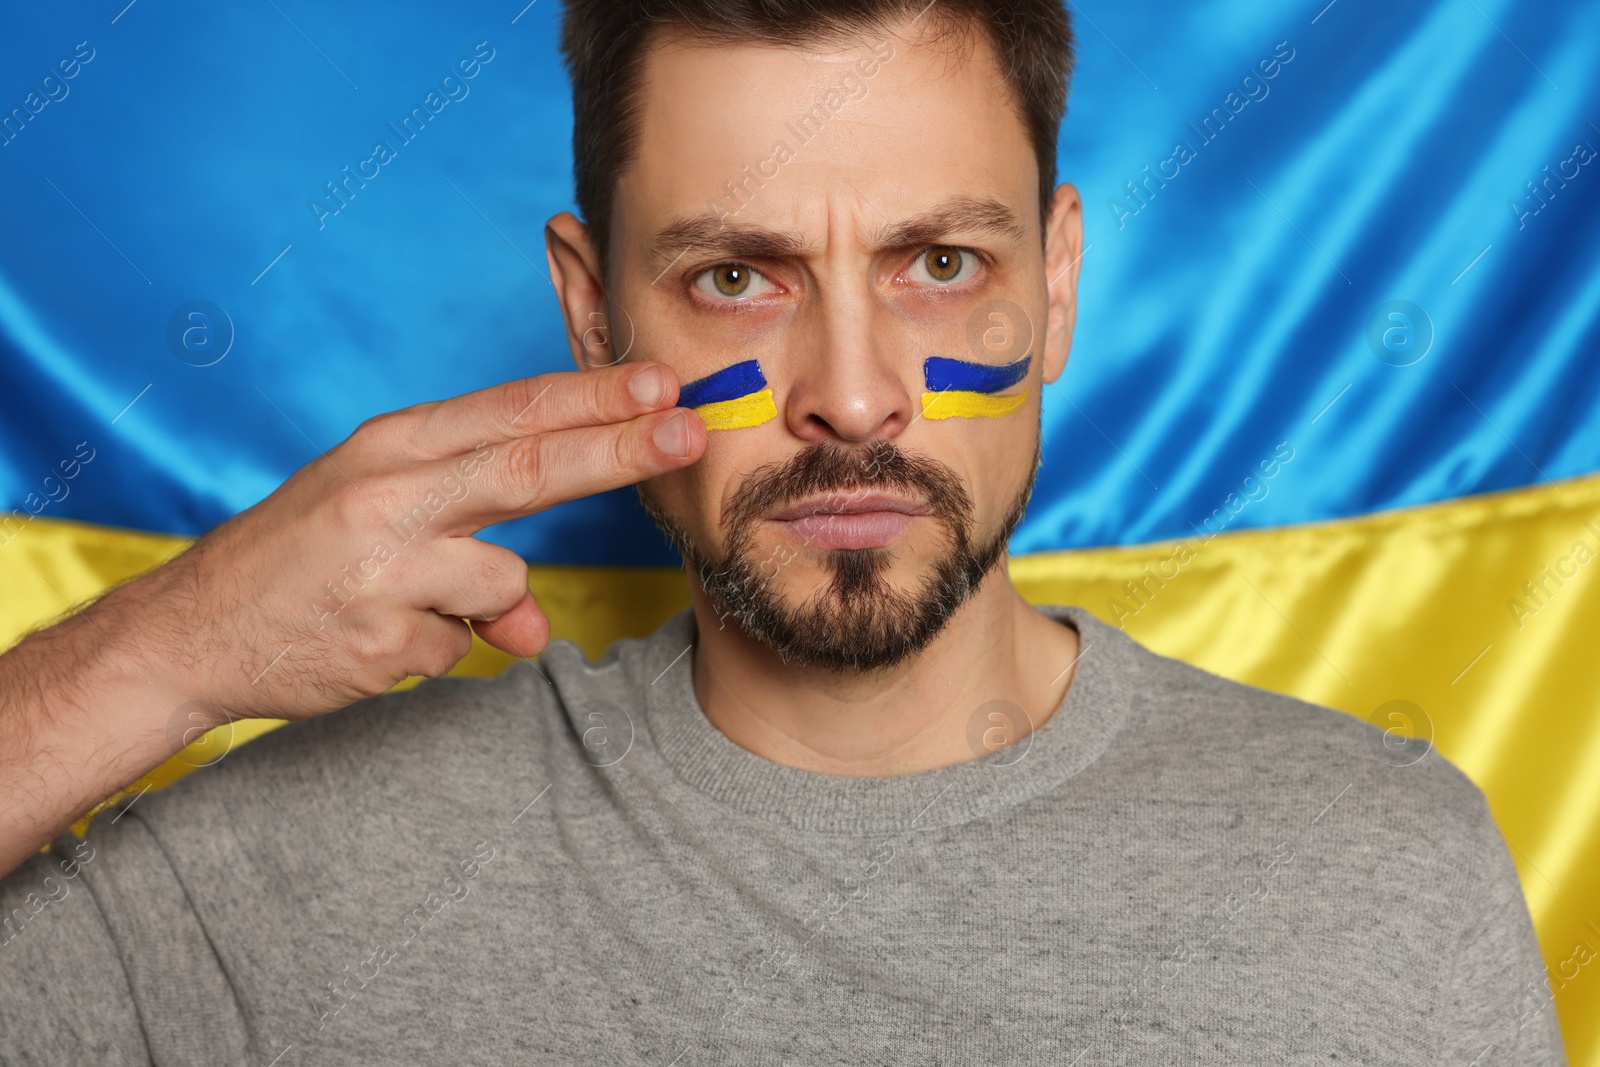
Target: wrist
x=83, y=715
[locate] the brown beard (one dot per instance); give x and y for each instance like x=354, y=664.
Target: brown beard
x=858, y=621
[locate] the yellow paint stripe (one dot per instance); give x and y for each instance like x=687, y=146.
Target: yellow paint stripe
x=961, y=404
x=1419, y=604
x=739, y=413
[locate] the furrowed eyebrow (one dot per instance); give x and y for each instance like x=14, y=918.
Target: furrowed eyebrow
x=959, y=214
x=711, y=235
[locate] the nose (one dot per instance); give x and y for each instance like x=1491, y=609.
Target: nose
x=847, y=385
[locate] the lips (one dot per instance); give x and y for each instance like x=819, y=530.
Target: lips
x=849, y=504
x=850, y=520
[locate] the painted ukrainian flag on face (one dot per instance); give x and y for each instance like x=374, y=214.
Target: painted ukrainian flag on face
x=732, y=398
x=957, y=389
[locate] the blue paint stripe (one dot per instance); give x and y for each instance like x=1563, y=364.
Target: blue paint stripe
x=730, y=383
x=945, y=374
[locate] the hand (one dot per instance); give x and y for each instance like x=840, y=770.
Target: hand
x=360, y=569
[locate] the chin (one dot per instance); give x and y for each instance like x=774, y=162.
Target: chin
x=852, y=611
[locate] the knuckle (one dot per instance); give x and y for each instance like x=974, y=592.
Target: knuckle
x=399, y=634
x=525, y=470
x=526, y=396
x=359, y=506
x=607, y=392
x=384, y=429
x=625, y=449
x=577, y=396
x=428, y=421
x=351, y=506
x=514, y=591
x=374, y=425
x=366, y=431
x=366, y=642
x=445, y=650
x=505, y=572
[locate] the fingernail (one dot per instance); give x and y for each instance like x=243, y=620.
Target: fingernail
x=672, y=436
x=648, y=386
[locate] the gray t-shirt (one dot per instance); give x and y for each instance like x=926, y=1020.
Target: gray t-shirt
x=1176, y=868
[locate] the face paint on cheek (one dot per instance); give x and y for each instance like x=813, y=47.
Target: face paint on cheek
x=958, y=389
x=733, y=398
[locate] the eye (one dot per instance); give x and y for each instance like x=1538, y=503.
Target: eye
x=732, y=282
x=944, y=265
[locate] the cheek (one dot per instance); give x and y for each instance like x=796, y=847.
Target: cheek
x=991, y=456
x=962, y=389
x=734, y=398
x=673, y=494
x=697, y=496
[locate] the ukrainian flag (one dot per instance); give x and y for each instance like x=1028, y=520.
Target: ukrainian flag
x=732, y=398
x=1330, y=424
x=959, y=389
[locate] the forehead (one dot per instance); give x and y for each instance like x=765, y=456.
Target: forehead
x=884, y=122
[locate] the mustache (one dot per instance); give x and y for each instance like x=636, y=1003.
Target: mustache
x=826, y=467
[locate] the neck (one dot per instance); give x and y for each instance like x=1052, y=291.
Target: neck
x=925, y=713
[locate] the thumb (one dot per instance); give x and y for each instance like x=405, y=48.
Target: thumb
x=523, y=631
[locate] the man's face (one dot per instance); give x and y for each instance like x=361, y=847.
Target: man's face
x=839, y=215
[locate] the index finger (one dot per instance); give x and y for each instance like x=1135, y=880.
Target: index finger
x=559, y=400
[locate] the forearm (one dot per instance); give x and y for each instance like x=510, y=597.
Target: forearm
x=83, y=712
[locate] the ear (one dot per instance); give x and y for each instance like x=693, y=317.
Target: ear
x=575, y=273
x=1062, y=251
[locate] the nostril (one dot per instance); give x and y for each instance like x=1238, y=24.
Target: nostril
x=847, y=401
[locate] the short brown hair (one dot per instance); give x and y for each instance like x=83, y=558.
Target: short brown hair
x=604, y=42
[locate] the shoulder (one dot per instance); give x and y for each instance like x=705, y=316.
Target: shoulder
x=429, y=760
x=451, y=724
x=454, y=738
x=456, y=741
x=1373, y=777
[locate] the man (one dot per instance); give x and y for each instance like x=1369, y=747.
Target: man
x=861, y=803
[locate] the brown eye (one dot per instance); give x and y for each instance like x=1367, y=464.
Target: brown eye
x=943, y=264
x=732, y=283
x=731, y=279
